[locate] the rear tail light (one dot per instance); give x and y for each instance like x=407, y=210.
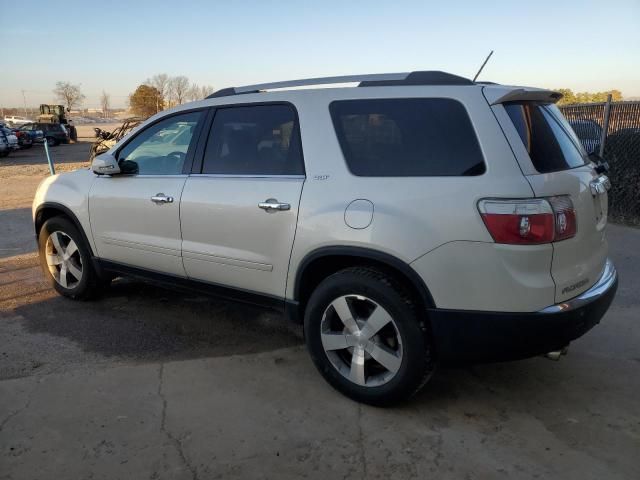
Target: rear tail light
x=565, y=217
x=529, y=222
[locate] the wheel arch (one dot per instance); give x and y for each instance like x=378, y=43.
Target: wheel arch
x=320, y=263
x=48, y=210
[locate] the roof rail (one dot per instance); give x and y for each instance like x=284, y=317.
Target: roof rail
x=434, y=77
x=370, y=80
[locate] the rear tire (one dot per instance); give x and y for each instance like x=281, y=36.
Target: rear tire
x=367, y=338
x=52, y=142
x=66, y=260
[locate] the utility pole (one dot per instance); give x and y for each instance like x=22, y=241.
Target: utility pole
x=24, y=103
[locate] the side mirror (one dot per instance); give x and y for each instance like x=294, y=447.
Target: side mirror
x=128, y=167
x=105, y=164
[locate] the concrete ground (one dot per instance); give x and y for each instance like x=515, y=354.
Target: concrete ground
x=147, y=383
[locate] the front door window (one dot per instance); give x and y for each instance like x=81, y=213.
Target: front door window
x=162, y=148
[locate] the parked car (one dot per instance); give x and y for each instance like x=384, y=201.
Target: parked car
x=589, y=132
x=37, y=136
x=15, y=120
x=4, y=144
x=441, y=221
x=54, y=133
x=24, y=139
x=11, y=138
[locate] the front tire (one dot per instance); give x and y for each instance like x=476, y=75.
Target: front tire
x=367, y=338
x=66, y=259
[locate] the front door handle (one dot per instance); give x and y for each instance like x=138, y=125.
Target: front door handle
x=272, y=205
x=159, y=198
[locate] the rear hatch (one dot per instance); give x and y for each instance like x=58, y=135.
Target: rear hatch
x=556, y=165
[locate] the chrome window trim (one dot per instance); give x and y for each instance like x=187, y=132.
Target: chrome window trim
x=231, y=175
x=145, y=175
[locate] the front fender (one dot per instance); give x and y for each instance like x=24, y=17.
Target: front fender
x=69, y=194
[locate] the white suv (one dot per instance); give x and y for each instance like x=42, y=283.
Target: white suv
x=412, y=220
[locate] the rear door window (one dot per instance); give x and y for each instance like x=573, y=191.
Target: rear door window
x=254, y=140
x=407, y=137
x=550, y=141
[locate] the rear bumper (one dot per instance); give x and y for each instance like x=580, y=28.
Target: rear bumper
x=464, y=336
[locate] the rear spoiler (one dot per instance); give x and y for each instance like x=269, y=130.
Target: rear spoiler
x=501, y=94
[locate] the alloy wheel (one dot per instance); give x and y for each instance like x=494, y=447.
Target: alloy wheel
x=63, y=259
x=361, y=340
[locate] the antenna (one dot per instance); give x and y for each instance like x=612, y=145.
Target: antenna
x=482, y=66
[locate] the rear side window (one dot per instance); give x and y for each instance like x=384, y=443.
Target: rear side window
x=407, y=137
x=254, y=140
x=546, y=135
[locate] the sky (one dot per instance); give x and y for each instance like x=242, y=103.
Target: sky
x=115, y=45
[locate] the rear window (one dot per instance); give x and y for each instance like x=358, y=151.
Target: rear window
x=407, y=137
x=549, y=139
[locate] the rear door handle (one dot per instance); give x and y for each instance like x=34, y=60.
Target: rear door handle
x=159, y=198
x=272, y=205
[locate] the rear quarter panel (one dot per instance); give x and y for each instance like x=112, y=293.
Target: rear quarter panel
x=412, y=215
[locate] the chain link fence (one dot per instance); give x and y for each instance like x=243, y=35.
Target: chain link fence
x=621, y=151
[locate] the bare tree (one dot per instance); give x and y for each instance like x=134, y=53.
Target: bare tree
x=105, y=102
x=205, y=91
x=161, y=83
x=68, y=94
x=193, y=94
x=178, y=88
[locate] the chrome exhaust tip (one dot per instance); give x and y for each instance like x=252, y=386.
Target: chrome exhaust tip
x=555, y=356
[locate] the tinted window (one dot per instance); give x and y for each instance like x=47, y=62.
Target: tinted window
x=254, y=140
x=162, y=148
x=407, y=137
x=548, y=138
